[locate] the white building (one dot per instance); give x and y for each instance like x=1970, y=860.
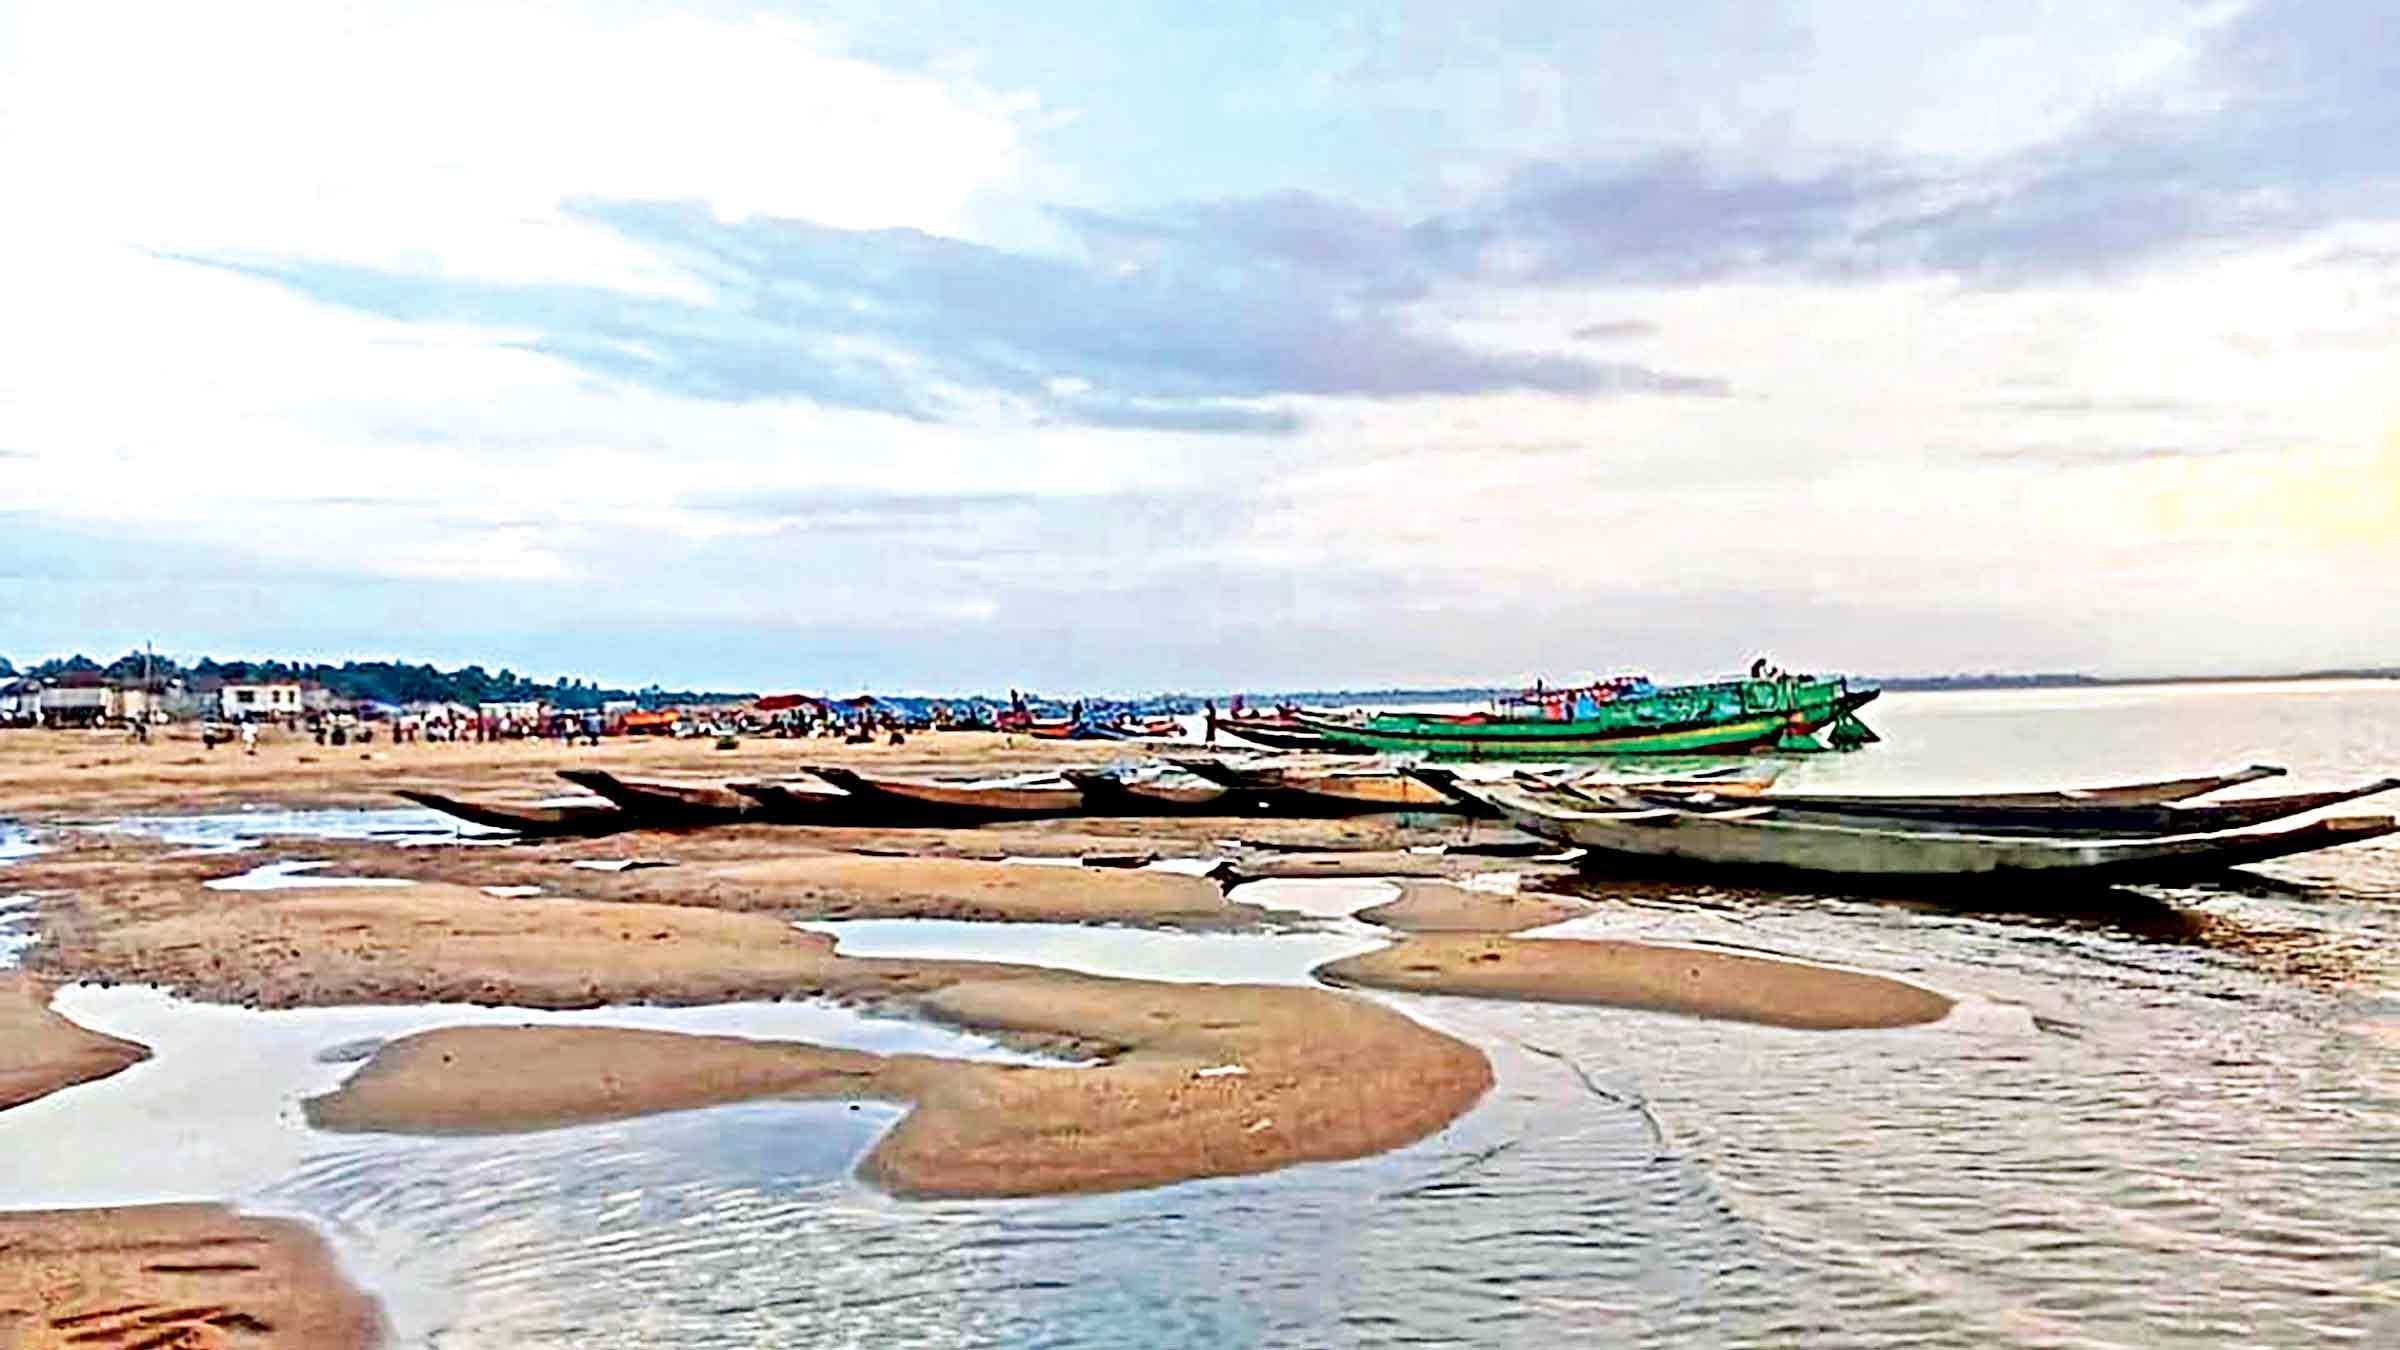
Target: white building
x=238, y=701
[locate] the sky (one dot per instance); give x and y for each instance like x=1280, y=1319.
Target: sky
x=1125, y=346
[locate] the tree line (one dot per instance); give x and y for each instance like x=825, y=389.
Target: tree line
x=380, y=681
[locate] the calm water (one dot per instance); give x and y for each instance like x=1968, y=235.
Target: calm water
x=2167, y=1117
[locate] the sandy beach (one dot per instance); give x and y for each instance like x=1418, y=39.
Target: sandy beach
x=151, y=1277
x=1156, y=1082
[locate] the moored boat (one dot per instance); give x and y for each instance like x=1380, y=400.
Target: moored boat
x=1782, y=712
x=533, y=820
x=1760, y=837
x=787, y=801
x=2154, y=793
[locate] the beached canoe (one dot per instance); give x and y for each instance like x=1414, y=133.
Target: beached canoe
x=1760, y=838
x=788, y=801
x=661, y=802
x=533, y=821
x=2101, y=819
x=2155, y=793
x=1321, y=790
x=1108, y=795
x=905, y=801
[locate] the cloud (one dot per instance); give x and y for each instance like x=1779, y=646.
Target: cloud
x=1614, y=330
x=917, y=325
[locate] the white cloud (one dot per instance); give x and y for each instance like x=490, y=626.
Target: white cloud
x=445, y=136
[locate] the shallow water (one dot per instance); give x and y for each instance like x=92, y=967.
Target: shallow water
x=2187, y=1132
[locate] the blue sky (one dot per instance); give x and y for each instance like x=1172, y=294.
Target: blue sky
x=1134, y=346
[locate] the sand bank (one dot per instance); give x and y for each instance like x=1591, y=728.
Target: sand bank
x=41, y=1052
x=1327, y=1075
x=157, y=1276
x=1439, y=907
x=1209, y=1080
x=857, y=886
x=1640, y=975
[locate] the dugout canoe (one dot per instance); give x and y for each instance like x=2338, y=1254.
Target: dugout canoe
x=663, y=802
x=2086, y=819
x=2157, y=792
x=1109, y=795
x=577, y=820
x=1760, y=838
x=906, y=801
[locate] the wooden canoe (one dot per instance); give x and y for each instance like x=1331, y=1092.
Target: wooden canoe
x=2156, y=793
x=1108, y=795
x=2092, y=820
x=789, y=802
x=659, y=801
x=544, y=822
x=909, y=801
x=1329, y=790
x=1759, y=838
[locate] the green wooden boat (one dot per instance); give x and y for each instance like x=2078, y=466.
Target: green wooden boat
x=1783, y=712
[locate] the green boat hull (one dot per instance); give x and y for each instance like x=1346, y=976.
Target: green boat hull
x=1735, y=718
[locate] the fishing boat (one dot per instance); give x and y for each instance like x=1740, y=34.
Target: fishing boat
x=2153, y=793
x=1335, y=790
x=1624, y=717
x=910, y=801
x=659, y=801
x=1761, y=837
x=787, y=801
x=533, y=820
x=2096, y=819
x=1109, y=795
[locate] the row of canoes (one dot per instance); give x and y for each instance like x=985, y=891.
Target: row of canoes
x=833, y=795
x=2140, y=832
x=1715, y=819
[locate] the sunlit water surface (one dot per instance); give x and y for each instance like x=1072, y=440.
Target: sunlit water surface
x=2189, y=1136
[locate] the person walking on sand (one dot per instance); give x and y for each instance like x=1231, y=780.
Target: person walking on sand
x=249, y=738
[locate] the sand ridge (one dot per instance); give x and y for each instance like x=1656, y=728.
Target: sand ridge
x=42, y=1052
x=1727, y=985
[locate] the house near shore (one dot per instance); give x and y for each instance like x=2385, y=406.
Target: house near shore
x=251, y=702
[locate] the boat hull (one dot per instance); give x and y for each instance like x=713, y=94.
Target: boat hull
x=1755, y=839
x=658, y=802
x=1808, y=709
x=903, y=801
x=2097, y=821
x=533, y=822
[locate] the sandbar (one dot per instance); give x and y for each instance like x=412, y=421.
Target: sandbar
x=1696, y=982
x=42, y=1052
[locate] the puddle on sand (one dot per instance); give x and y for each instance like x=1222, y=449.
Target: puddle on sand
x=215, y=1111
x=234, y=830
x=1126, y=953
x=294, y=876
x=16, y=928
x=17, y=842
x=1318, y=897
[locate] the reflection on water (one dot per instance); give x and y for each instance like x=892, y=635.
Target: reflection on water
x=235, y=830
x=1130, y=953
x=2192, y=1139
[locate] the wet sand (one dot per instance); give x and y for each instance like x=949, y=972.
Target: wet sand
x=1331, y=1076
x=1619, y=974
x=42, y=1052
x=1439, y=907
x=188, y=1276
x=1206, y=1080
